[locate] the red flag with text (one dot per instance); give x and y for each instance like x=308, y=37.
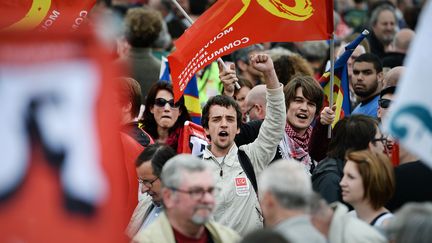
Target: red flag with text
x=43, y=14
x=62, y=176
x=232, y=24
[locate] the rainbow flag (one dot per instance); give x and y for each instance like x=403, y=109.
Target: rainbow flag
x=191, y=96
x=341, y=83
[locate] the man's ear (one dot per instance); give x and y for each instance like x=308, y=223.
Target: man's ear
x=370, y=146
x=168, y=198
x=127, y=108
x=260, y=109
x=380, y=77
x=268, y=200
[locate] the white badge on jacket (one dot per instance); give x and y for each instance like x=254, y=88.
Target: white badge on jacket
x=242, y=186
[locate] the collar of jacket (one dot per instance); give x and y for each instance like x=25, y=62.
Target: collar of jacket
x=230, y=157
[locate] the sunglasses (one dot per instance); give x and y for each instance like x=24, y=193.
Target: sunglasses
x=384, y=103
x=161, y=102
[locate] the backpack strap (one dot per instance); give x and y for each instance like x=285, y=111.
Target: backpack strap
x=248, y=168
x=377, y=218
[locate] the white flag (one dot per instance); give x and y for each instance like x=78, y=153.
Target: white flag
x=410, y=117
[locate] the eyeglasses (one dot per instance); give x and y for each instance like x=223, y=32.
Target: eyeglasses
x=161, y=102
x=146, y=182
x=382, y=139
x=250, y=109
x=384, y=103
x=247, y=114
x=198, y=193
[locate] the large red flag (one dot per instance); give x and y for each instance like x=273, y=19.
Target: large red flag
x=232, y=24
x=43, y=14
x=62, y=177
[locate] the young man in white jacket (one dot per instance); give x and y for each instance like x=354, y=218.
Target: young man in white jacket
x=237, y=205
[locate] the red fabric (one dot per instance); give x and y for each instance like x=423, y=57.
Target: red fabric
x=131, y=150
x=395, y=154
x=174, y=138
x=229, y=25
x=194, y=135
x=300, y=141
x=298, y=145
x=36, y=212
x=43, y=14
x=181, y=238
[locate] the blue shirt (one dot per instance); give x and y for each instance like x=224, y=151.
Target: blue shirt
x=154, y=213
x=368, y=107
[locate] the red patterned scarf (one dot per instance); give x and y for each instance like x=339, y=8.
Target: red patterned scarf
x=300, y=141
x=295, y=146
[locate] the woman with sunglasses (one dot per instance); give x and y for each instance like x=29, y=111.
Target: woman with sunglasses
x=163, y=119
x=368, y=184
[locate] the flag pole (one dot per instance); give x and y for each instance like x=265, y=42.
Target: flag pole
x=189, y=19
x=332, y=60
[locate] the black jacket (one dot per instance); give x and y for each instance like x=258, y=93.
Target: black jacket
x=413, y=184
x=249, y=132
x=326, y=178
x=136, y=133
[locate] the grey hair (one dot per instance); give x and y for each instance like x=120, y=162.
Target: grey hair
x=315, y=50
x=317, y=204
x=257, y=95
x=412, y=223
x=288, y=182
x=175, y=168
x=278, y=52
x=377, y=11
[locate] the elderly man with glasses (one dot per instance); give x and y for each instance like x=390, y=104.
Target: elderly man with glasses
x=188, y=193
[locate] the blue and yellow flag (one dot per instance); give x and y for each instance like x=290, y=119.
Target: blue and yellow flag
x=341, y=83
x=191, y=96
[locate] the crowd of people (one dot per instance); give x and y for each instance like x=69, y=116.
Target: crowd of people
x=267, y=161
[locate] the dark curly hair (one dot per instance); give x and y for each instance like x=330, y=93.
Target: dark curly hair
x=142, y=26
x=148, y=120
x=220, y=100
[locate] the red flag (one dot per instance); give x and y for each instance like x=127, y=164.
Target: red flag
x=232, y=24
x=193, y=139
x=43, y=14
x=62, y=178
